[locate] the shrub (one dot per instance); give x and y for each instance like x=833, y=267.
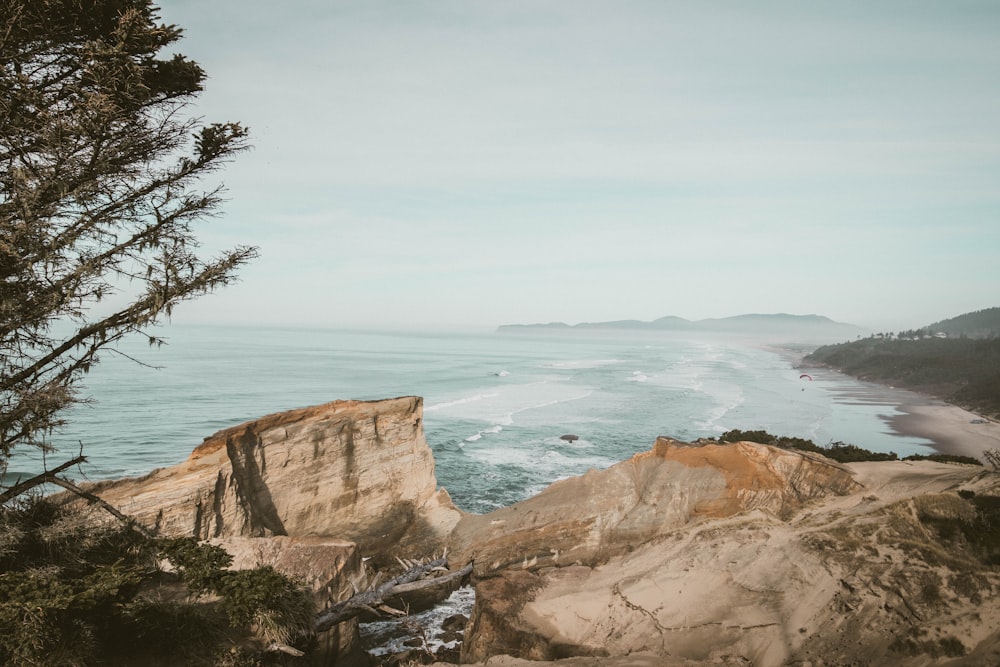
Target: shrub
x=279, y=609
x=944, y=458
x=838, y=451
x=71, y=594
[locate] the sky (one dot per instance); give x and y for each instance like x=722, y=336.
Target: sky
x=465, y=164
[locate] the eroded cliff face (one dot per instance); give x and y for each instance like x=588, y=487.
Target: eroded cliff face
x=591, y=518
x=353, y=470
x=686, y=554
x=781, y=559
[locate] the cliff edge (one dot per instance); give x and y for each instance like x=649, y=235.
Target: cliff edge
x=352, y=470
x=604, y=513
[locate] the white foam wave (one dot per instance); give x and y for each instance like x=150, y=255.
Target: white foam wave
x=551, y=464
x=499, y=407
x=502, y=374
x=582, y=363
x=459, y=401
x=391, y=635
x=496, y=428
x=718, y=412
x=637, y=376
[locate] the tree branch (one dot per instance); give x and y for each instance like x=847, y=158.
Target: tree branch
x=37, y=480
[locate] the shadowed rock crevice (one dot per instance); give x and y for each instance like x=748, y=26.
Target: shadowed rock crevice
x=248, y=483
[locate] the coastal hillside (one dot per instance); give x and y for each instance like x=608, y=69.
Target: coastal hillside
x=964, y=371
x=979, y=324
x=692, y=553
x=781, y=325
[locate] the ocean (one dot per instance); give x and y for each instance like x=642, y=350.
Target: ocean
x=495, y=404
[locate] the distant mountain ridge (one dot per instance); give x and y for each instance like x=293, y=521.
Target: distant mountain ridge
x=754, y=323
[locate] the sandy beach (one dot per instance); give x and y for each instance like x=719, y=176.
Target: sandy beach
x=951, y=429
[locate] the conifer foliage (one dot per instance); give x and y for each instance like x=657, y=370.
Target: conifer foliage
x=100, y=171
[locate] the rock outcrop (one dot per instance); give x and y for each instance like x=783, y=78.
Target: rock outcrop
x=604, y=513
x=863, y=578
x=688, y=554
x=352, y=470
x=308, y=492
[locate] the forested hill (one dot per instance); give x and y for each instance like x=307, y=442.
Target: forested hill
x=980, y=324
x=962, y=371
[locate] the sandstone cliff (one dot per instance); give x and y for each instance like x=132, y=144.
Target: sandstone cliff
x=353, y=470
x=587, y=519
x=309, y=492
x=865, y=572
x=684, y=555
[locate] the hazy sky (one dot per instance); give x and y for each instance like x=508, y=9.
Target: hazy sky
x=469, y=164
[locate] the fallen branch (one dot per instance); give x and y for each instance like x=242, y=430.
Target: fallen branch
x=42, y=478
x=367, y=601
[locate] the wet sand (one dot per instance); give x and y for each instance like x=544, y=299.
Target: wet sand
x=951, y=429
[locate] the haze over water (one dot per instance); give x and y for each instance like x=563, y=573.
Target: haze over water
x=495, y=405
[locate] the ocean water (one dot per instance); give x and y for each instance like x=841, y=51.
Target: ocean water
x=495, y=404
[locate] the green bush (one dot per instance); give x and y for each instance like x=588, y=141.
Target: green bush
x=944, y=458
x=838, y=451
x=72, y=594
x=980, y=531
x=279, y=609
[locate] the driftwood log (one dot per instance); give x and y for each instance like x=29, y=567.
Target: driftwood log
x=413, y=579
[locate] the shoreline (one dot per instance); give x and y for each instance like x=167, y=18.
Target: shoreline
x=951, y=429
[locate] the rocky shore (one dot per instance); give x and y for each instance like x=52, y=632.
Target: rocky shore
x=688, y=554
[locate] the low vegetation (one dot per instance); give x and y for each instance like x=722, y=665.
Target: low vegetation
x=977, y=530
x=841, y=452
x=73, y=594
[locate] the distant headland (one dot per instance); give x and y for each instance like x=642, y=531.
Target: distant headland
x=781, y=324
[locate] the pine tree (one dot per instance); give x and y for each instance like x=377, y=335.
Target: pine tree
x=99, y=196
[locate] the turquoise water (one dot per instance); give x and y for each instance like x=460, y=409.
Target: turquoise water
x=495, y=404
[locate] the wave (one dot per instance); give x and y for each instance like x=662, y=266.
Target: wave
x=478, y=436
x=581, y=364
x=729, y=401
x=499, y=407
x=459, y=401
x=389, y=637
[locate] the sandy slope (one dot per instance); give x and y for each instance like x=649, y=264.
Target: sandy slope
x=836, y=584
